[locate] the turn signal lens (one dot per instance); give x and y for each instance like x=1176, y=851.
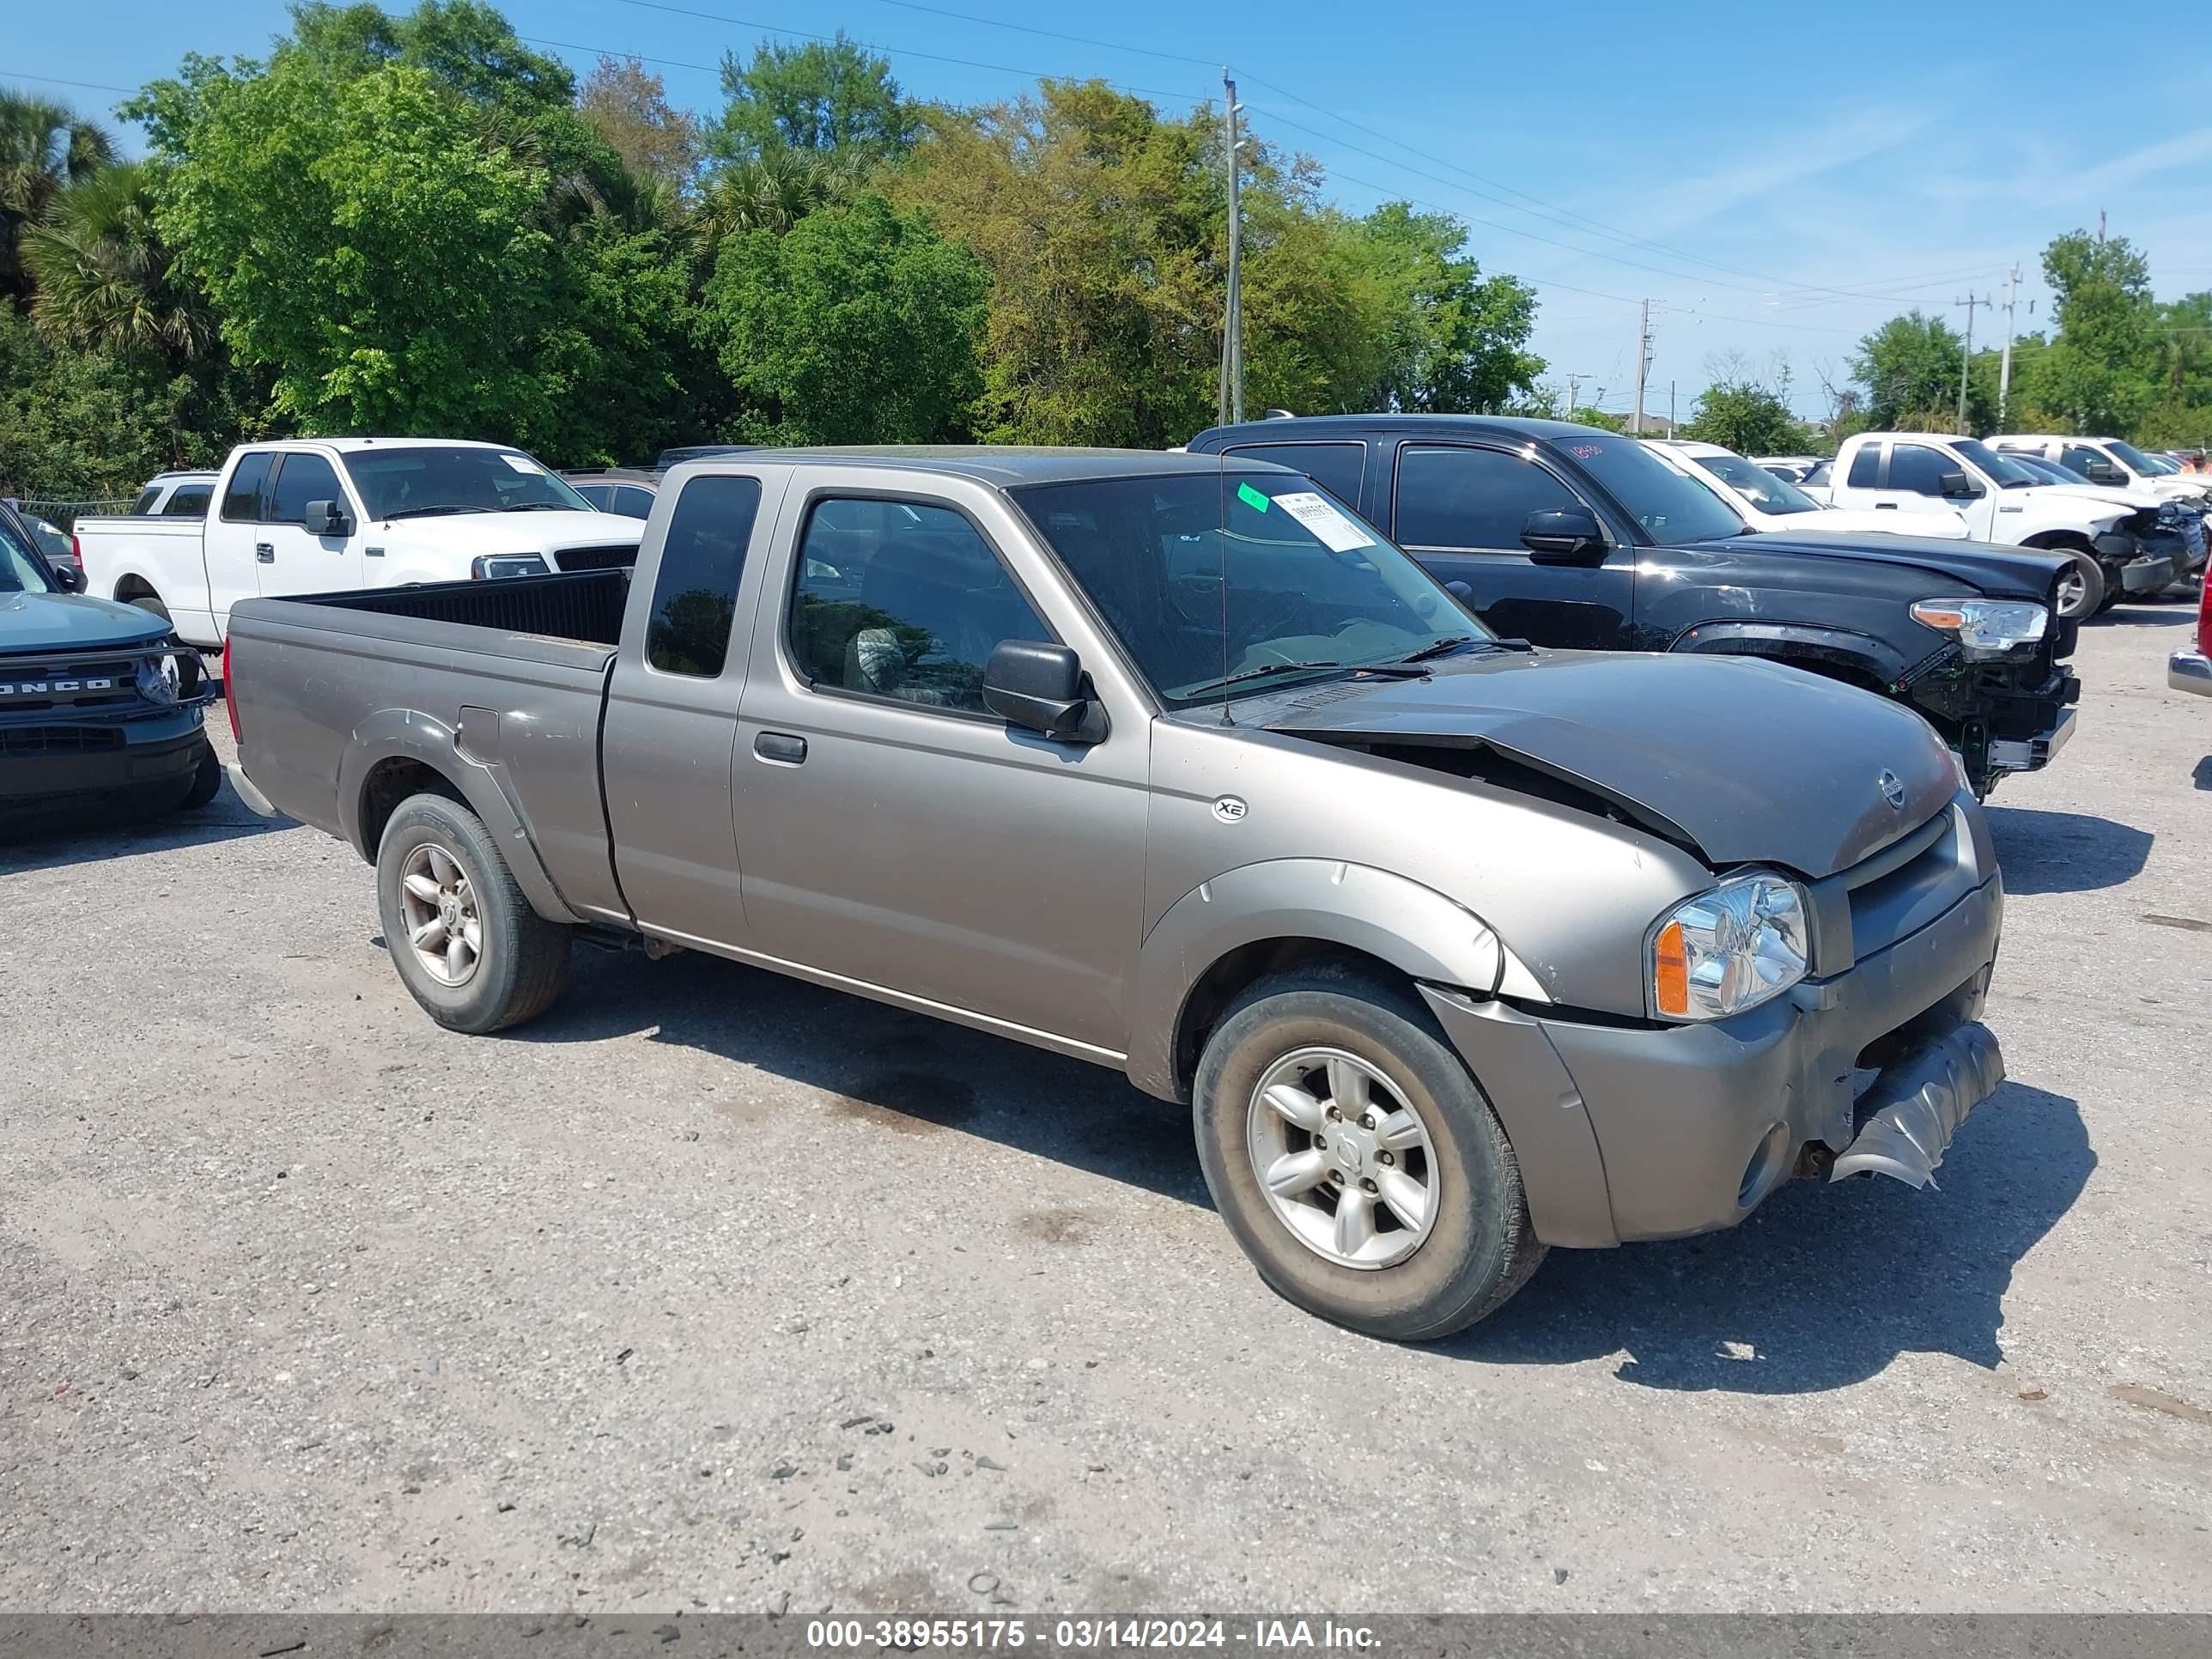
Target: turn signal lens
x=1670, y=972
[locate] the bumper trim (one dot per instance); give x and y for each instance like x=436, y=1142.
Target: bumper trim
x=2189, y=670
x=253, y=797
x=1918, y=1102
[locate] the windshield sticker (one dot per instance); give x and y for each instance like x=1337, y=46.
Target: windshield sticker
x=1584, y=451
x=1336, y=529
x=521, y=462
x=1252, y=498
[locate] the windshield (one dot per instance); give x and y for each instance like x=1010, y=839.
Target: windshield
x=1766, y=492
x=1672, y=507
x=2163, y=465
x=2009, y=473
x=416, y=480
x=2133, y=457
x=1310, y=589
x=21, y=570
x=2045, y=471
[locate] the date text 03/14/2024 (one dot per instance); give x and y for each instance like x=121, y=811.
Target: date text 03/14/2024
x=1083, y=1634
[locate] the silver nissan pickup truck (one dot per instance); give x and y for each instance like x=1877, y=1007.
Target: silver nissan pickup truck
x=1458, y=950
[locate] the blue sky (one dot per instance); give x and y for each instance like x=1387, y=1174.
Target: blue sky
x=1774, y=178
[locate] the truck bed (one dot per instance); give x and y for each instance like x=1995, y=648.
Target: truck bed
x=498, y=685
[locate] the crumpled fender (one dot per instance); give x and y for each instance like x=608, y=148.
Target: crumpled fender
x=1842, y=647
x=409, y=732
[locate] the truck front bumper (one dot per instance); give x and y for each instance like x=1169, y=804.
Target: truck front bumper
x=2189, y=670
x=1637, y=1132
x=93, y=759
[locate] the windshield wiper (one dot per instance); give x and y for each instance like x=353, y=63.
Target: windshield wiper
x=537, y=506
x=1267, y=670
x=1440, y=647
x=427, y=512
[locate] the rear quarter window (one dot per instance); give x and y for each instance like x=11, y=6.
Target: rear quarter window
x=1336, y=468
x=695, y=592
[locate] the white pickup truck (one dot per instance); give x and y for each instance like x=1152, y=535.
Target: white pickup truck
x=330, y=515
x=2005, y=503
x=2109, y=461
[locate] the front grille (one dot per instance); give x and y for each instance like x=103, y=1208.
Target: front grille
x=58, y=739
x=596, y=558
x=65, y=680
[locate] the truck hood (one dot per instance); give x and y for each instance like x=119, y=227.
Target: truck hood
x=2127, y=496
x=1994, y=572
x=1746, y=762
x=466, y=536
x=72, y=622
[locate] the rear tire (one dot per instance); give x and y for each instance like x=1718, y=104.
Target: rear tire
x=207, y=781
x=444, y=894
x=1284, y=1038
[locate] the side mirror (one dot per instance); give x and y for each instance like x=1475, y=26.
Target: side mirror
x=328, y=518
x=1040, y=688
x=1957, y=485
x=1461, y=592
x=69, y=578
x=2104, y=472
x=1567, y=537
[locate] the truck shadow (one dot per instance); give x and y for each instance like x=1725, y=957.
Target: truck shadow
x=2064, y=852
x=1823, y=1287
x=54, y=837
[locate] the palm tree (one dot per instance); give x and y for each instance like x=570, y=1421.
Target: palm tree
x=105, y=278
x=45, y=148
x=772, y=191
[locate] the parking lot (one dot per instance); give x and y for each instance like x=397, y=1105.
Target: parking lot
x=711, y=1289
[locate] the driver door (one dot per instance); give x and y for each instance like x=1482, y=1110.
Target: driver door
x=1459, y=509
x=893, y=834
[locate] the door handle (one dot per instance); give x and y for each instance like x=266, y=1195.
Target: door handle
x=264, y=552
x=781, y=748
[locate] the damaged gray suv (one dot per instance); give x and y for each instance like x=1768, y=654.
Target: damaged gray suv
x=1458, y=949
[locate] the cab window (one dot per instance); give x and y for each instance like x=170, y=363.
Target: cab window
x=903, y=600
x=695, y=593
x=243, y=497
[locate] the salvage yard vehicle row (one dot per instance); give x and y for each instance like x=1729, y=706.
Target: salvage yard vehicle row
x=1458, y=949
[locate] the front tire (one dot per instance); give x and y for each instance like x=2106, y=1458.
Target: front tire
x=2082, y=590
x=467, y=945
x=1355, y=1159
x=152, y=602
x=207, y=781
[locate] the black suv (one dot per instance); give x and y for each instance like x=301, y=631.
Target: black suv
x=1572, y=537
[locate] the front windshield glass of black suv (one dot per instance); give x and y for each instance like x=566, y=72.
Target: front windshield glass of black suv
x=1311, y=590
x=21, y=569
x=407, y=481
x=1672, y=508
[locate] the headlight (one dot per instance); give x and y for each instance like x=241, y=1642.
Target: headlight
x=160, y=679
x=1986, y=627
x=1734, y=948
x=491, y=565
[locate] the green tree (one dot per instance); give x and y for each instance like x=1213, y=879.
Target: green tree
x=45, y=148
x=107, y=281
x=858, y=325
x=1457, y=342
x=360, y=242
x=464, y=45
x=830, y=99
x=2098, y=374
x=74, y=424
x=1745, y=416
x=1910, y=366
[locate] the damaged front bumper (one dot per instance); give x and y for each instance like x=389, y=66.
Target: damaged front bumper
x=1906, y=1120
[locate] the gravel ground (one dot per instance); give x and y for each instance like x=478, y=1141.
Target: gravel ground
x=714, y=1290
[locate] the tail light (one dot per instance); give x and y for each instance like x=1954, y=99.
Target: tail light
x=2204, y=620
x=77, y=551
x=229, y=702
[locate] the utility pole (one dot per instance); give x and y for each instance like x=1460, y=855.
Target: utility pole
x=1572, y=380
x=1966, y=352
x=1643, y=364
x=1232, y=398
x=2100, y=227
x=1670, y=409
x=2004, y=364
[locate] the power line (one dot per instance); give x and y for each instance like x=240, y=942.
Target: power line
x=56, y=80
x=903, y=51
x=1053, y=34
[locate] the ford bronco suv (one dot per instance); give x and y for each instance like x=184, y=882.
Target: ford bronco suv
x=1458, y=950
